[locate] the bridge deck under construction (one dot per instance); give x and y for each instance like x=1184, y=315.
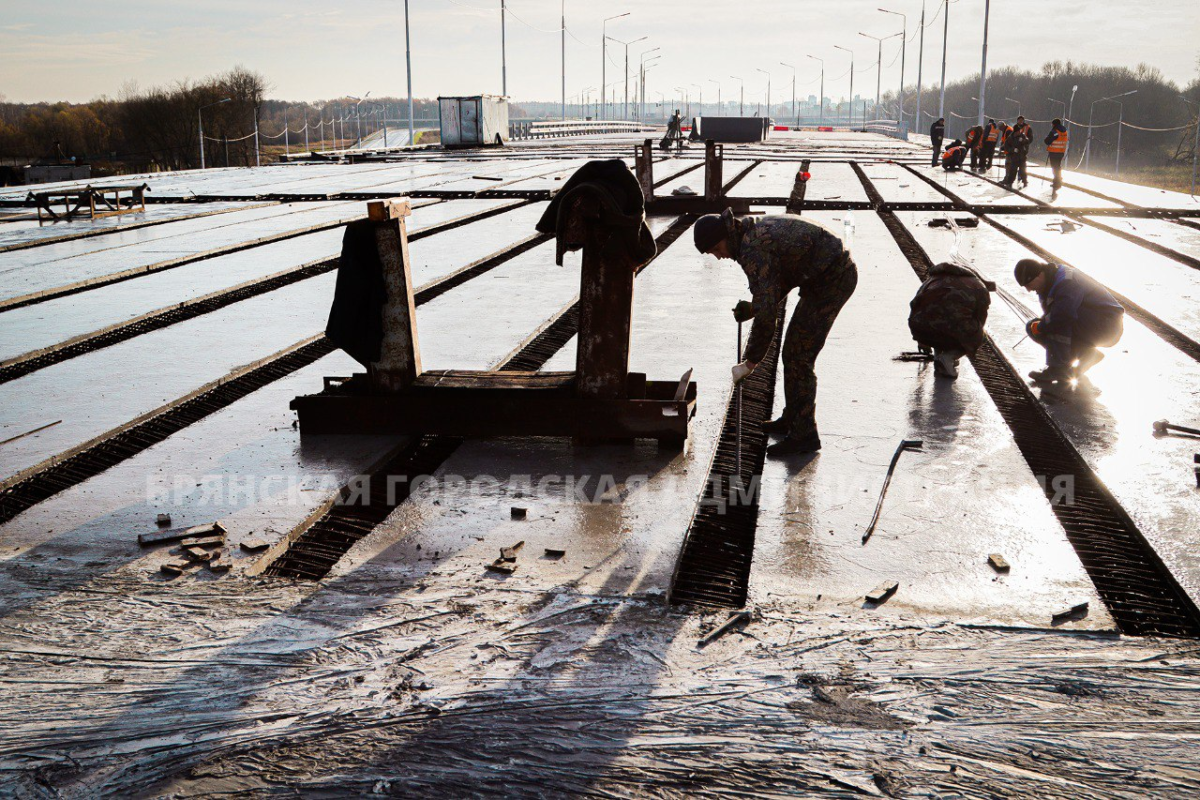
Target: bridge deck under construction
x=147, y=362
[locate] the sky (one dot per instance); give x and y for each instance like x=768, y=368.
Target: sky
x=75, y=51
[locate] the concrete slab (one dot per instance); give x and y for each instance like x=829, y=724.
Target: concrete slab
x=1168, y=289
x=1142, y=379
x=46, y=324
x=1131, y=193
x=628, y=542
x=897, y=185
x=1168, y=233
x=968, y=494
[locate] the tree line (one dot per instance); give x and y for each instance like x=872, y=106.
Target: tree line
x=1045, y=94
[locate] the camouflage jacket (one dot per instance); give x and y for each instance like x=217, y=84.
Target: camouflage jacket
x=950, y=309
x=779, y=253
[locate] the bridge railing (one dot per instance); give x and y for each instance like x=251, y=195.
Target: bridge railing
x=553, y=129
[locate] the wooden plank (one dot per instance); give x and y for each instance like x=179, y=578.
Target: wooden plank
x=177, y=534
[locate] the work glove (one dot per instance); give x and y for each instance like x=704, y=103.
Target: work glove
x=740, y=371
x=743, y=311
x=1031, y=328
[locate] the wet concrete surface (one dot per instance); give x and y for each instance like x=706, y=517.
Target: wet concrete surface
x=54, y=321
x=897, y=185
x=1168, y=233
x=1142, y=379
x=1131, y=193
x=1168, y=289
x=174, y=361
x=626, y=542
x=19, y=225
x=966, y=495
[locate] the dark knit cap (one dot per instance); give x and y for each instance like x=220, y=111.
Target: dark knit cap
x=709, y=231
x=1029, y=268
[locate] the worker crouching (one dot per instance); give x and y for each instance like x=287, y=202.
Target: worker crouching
x=1079, y=316
x=948, y=314
x=778, y=254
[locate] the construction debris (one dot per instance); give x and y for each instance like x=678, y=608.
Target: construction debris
x=555, y=554
x=176, y=568
x=1077, y=611
x=203, y=541
x=501, y=567
x=881, y=593
x=163, y=520
x=254, y=543
x=221, y=563
x=735, y=619
x=176, y=534
x=510, y=553
x=998, y=562
x=199, y=554
x=517, y=512
x=1163, y=427
x=905, y=444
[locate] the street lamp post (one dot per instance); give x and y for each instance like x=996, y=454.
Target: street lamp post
x=408, y=71
x=1120, y=119
x=987, y=13
x=878, y=67
x=1018, y=102
x=604, y=59
x=814, y=58
x=641, y=81
x=1061, y=103
x=699, y=99
x=903, y=56
x=1196, y=144
x=945, y=36
x=718, y=83
x=850, y=116
x=920, y=68
x=647, y=63
x=742, y=101
x=764, y=72
x=1067, y=122
x=634, y=41
x=200, y=119
x=794, y=115
x=503, y=55
x=358, y=117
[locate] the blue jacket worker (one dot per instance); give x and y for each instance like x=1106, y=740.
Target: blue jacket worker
x=1079, y=316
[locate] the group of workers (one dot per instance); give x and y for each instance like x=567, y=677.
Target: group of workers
x=779, y=253
x=1013, y=142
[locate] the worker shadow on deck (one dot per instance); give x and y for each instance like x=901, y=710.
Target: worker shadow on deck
x=597, y=650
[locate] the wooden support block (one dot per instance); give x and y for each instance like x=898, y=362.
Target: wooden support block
x=175, y=568
x=998, y=563
x=255, y=543
x=510, y=553
x=199, y=554
x=502, y=567
x=517, y=512
x=163, y=520
x=221, y=563
x=176, y=534
x=554, y=553
x=383, y=210
x=882, y=592
x=203, y=541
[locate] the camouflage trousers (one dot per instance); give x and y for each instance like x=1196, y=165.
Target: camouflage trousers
x=821, y=299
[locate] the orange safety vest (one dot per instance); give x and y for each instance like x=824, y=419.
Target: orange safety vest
x=991, y=137
x=1059, y=145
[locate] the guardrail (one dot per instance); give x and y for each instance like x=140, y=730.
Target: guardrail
x=888, y=127
x=553, y=129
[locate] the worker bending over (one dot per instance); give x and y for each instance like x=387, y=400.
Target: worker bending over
x=937, y=132
x=778, y=254
x=1056, y=151
x=948, y=314
x=1079, y=315
x=975, y=145
x=954, y=156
